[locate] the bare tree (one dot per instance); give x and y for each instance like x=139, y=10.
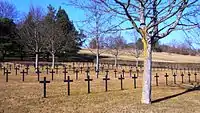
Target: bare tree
x=153, y=20
x=95, y=25
x=115, y=44
x=7, y=10
x=31, y=32
x=136, y=51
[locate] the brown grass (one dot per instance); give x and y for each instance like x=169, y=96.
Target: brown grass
x=23, y=97
x=157, y=56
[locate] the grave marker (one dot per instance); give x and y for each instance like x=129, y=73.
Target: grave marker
x=166, y=76
x=7, y=73
x=189, y=76
x=4, y=70
x=195, y=75
x=134, y=80
x=115, y=71
x=97, y=73
x=16, y=70
x=123, y=71
x=27, y=69
x=38, y=73
x=52, y=73
x=87, y=72
x=130, y=72
x=182, y=75
x=121, y=79
x=65, y=72
x=44, y=82
x=88, y=80
x=156, y=79
x=68, y=84
x=174, y=78
x=23, y=72
x=76, y=74
x=56, y=69
x=106, y=81
x=47, y=69
x=81, y=69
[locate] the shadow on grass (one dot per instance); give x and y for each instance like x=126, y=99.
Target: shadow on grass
x=175, y=95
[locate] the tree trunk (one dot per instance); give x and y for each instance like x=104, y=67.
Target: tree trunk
x=146, y=90
x=137, y=63
x=36, y=60
x=115, y=61
x=53, y=60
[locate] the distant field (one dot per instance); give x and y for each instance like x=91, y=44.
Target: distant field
x=157, y=56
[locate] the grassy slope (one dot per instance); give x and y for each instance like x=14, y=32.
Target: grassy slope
x=161, y=57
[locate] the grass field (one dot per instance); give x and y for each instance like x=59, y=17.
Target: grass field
x=27, y=97
x=157, y=56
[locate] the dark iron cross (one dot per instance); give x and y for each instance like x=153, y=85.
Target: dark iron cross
x=87, y=72
x=88, y=80
x=23, y=73
x=81, y=69
x=7, y=73
x=189, y=76
x=195, y=76
x=156, y=79
x=115, y=71
x=97, y=73
x=166, y=76
x=65, y=72
x=68, y=84
x=76, y=72
x=130, y=72
x=121, y=79
x=52, y=73
x=134, y=80
x=106, y=82
x=27, y=69
x=47, y=69
x=56, y=69
x=16, y=70
x=38, y=73
x=123, y=71
x=174, y=75
x=44, y=82
x=4, y=70
x=182, y=75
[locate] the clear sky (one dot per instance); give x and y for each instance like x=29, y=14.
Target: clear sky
x=75, y=14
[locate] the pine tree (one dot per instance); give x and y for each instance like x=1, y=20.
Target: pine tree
x=72, y=37
x=7, y=36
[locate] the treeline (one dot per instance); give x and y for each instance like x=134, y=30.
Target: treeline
x=37, y=34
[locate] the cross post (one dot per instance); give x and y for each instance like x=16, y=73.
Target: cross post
x=88, y=80
x=106, y=82
x=68, y=84
x=121, y=79
x=44, y=82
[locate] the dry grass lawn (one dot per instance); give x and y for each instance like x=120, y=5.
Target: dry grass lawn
x=157, y=56
x=27, y=97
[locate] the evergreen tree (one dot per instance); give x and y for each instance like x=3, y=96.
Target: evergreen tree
x=73, y=40
x=7, y=37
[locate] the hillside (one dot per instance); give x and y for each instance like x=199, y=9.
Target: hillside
x=157, y=56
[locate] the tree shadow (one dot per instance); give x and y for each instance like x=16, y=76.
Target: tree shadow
x=175, y=95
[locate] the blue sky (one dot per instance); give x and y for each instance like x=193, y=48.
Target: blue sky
x=76, y=14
